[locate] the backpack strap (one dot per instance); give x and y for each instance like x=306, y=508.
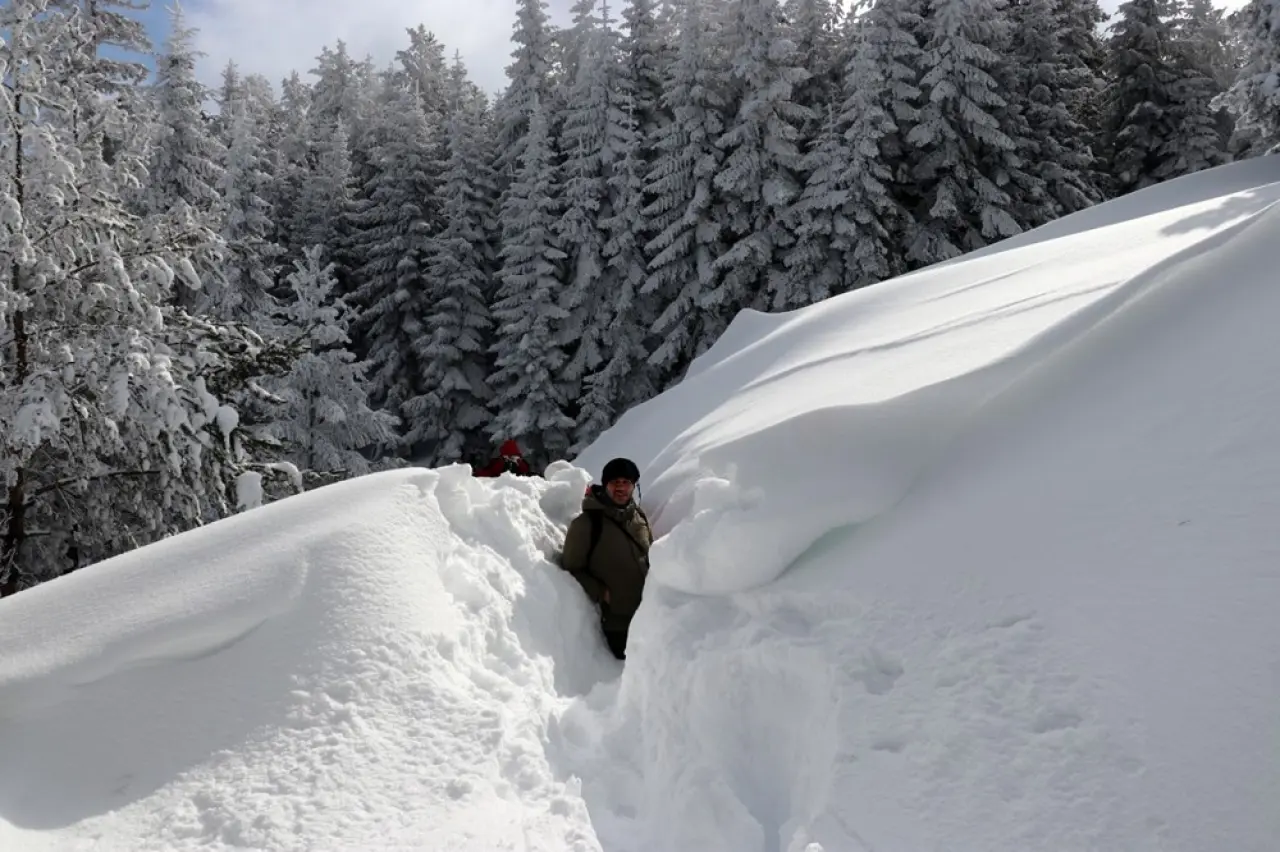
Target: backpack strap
x=597, y=526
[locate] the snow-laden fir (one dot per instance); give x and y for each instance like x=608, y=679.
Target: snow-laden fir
x=980, y=558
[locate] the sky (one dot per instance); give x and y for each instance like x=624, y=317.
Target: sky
x=275, y=37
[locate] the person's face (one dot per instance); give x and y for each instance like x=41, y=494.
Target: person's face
x=620, y=490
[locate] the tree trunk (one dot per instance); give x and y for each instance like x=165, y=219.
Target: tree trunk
x=15, y=533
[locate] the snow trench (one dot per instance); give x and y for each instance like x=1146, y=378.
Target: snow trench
x=937, y=558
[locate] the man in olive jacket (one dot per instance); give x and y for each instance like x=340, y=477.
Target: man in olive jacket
x=607, y=550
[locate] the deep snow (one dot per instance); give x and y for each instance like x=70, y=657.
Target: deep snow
x=982, y=558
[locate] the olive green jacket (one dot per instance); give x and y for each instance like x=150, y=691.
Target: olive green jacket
x=620, y=561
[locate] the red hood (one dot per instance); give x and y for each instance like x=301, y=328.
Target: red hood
x=510, y=448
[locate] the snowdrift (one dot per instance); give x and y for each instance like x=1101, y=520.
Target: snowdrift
x=365, y=666
x=982, y=558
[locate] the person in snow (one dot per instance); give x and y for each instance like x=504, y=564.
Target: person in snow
x=607, y=550
x=509, y=459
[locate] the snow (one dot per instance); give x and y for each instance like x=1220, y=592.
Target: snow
x=981, y=558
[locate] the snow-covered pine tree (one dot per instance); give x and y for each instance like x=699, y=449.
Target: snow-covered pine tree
x=325, y=424
x=881, y=105
x=1046, y=79
x=423, y=70
x=355, y=95
x=687, y=235
x=571, y=46
x=1080, y=36
x=814, y=269
x=230, y=91
x=186, y=157
x=251, y=254
x=291, y=165
x=1254, y=98
x=119, y=69
x=1139, y=120
x=446, y=420
x=343, y=88
x=624, y=377
x=593, y=140
x=645, y=54
x=530, y=83
x=396, y=223
x=846, y=221
x=957, y=142
x=1200, y=138
x=529, y=403
x=104, y=444
x=760, y=176
x=815, y=261
x=324, y=208
x=1207, y=41
x=814, y=26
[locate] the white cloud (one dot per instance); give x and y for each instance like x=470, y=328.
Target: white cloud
x=275, y=37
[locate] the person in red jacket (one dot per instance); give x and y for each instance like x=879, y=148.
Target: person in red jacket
x=509, y=459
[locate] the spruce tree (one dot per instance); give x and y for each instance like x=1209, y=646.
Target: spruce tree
x=325, y=423
x=1139, y=118
x=186, y=157
x=760, y=176
x=687, y=236
x=529, y=402
x=446, y=420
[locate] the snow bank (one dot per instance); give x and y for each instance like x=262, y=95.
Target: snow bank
x=983, y=558
x=370, y=665
x=835, y=410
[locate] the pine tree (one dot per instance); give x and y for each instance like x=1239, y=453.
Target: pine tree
x=1199, y=140
x=760, y=175
x=590, y=149
x=111, y=54
x=423, y=70
x=324, y=212
x=814, y=28
x=645, y=55
x=186, y=160
x=290, y=168
x=396, y=225
x=1047, y=79
x=1254, y=98
x=1202, y=31
x=530, y=76
x=1139, y=119
x=956, y=196
x=247, y=226
x=326, y=424
x=529, y=402
x=446, y=419
x=342, y=90
x=846, y=221
x=688, y=237
x=623, y=377
x=103, y=439
x=1085, y=54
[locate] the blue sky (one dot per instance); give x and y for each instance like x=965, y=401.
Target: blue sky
x=274, y=37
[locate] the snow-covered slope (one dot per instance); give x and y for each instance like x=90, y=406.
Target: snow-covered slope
x=371, y=665
x=983, y=558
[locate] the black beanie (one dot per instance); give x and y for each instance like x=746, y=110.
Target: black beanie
x=620, y=469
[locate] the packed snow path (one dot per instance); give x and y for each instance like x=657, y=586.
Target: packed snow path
x=984, y=558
